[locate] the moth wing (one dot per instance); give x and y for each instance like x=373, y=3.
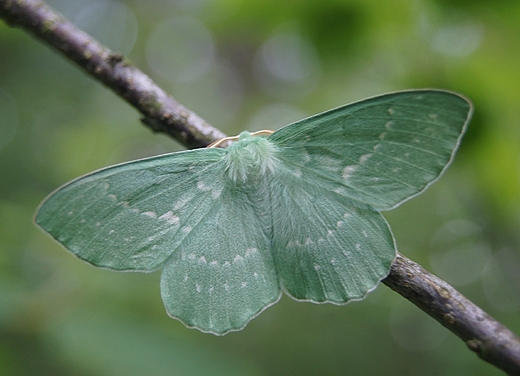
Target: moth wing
x=327, y=248
x=380, y=151
x=223, y=274
x=134, y=215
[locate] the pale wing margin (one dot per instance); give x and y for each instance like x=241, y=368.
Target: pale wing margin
x=380, y=151
x=134, y=215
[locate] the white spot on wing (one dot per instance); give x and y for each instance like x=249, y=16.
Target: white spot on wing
x=391, y=111
x=170, y=218
x=197, y=286
x=238, y=258
x=216, y=193
x=382, y=135
x=203, y=260
x=329, y=164
x=243, y=284
x=432, y=116
x=251, y=251
x=186, y=229
x=358, y=247
x=364, y=158
x=181, y=203
x=112, y=197
x=202, y=186
x=150, y=214
x=348, y=171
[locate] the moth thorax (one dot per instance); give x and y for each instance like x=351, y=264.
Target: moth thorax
x=250, y=157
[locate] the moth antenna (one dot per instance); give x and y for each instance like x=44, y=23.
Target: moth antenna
x=217, y=143
x=263, y=132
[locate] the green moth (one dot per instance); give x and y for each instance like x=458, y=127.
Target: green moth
x=295, y=211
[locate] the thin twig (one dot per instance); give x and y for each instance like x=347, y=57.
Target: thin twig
x=482, y=334
x=159, y=110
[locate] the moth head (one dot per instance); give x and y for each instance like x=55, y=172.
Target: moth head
x=252, y=156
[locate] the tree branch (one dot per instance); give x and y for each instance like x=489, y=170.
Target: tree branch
x=159, y=110
x=491, y=341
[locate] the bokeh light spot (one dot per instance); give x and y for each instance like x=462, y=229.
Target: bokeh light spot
x=458, y=39
x=287, y=65
x=461, y=253
x=180, y=49
x=502, y=280
x=216, y=95
x=111, y=22
x=274, y=116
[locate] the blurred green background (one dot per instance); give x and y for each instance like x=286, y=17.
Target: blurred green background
x=251, y=65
